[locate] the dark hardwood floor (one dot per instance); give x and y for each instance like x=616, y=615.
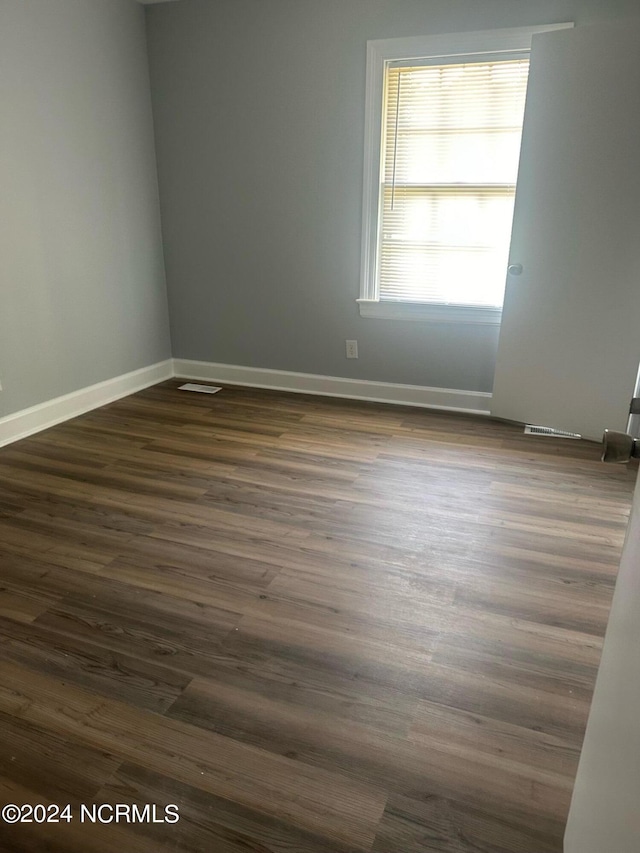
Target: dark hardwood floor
x=316, y=626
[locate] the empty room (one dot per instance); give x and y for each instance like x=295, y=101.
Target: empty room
x=319, y=426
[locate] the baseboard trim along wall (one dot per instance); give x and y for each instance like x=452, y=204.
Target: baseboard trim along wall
x=29, y=421
x=447, y=399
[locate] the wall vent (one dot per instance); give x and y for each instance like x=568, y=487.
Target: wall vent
x=201, y=389
x=530, y=429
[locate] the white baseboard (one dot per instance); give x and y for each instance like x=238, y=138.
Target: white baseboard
x=447, y=399
x=29, y=421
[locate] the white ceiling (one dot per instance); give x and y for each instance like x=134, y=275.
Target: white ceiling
x=148, y=2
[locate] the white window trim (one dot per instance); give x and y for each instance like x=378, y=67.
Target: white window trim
x=379, y=53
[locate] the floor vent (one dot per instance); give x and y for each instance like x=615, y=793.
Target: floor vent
x=530, y=429
x=201, y=389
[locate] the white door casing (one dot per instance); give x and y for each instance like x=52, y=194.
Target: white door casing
x=605, y=808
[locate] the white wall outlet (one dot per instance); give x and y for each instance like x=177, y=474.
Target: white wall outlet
x=352, y=349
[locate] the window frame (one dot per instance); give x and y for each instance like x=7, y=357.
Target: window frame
x=457, y=47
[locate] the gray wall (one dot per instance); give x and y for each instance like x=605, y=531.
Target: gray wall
x=82, y=288
x=259, y=111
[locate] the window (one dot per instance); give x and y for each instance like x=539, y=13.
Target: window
x=447, y=114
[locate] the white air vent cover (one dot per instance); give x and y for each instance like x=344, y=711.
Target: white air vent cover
x=530, y=429
x=201, y=389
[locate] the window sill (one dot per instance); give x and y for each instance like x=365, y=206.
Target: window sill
x=429, y=313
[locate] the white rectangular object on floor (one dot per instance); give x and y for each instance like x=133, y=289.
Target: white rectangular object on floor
x=532, y=429
x=201, y=389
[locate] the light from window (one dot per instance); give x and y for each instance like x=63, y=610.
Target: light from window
x=450, y=150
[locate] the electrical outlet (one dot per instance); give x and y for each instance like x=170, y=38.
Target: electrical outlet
x=352, y=349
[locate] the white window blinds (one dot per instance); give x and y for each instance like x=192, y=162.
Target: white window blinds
x=451, y=143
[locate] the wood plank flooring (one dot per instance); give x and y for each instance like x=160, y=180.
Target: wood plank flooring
x=316, y=626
